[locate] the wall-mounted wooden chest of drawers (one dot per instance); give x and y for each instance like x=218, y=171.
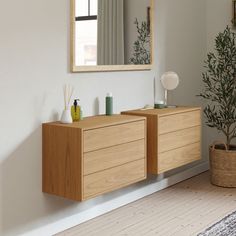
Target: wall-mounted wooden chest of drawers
x=174, y=137
x=93, y=156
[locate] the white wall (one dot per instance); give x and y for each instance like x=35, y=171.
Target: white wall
x=219, y=15
x=34, y=52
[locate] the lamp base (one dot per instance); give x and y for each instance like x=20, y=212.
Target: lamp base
x=171, y=106
x=159, y=106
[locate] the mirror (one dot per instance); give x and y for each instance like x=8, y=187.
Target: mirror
x=111, y=35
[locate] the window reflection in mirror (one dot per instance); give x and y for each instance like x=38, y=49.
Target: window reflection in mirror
x=112, y=32
x=86, y=32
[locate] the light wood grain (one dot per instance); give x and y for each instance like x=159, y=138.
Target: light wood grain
x=151, y=138
x=179, y=121
x=114, y=178
x=101, y=121
x=185, y=209
x=113, y=68
x=113, y=135
x=160, y=126
x=121, y=139
x=72, y=34
x=152, y=144
x=113, y=156
x=105, y=68
x=152, y=32
x=178, y=157
x=161, y=112
x=62, y=162
x=173, y=140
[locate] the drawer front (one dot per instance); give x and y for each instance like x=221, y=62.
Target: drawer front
x=170, y=141
x=113, y=135
x=114, y=178
x=114, y=156
x=178, y=157
x=180, y=121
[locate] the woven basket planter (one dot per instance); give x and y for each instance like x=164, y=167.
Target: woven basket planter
x=223, y=167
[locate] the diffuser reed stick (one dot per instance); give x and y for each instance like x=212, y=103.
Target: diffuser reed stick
x=68, y=91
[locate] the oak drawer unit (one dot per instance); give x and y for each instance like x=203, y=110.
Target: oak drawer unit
x=174, y=137
x=94, y=156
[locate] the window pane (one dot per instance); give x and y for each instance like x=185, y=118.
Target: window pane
x=86, y=43
x=93, y=7
x=81, y=8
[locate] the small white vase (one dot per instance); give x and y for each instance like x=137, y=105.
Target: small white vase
x=66, y=117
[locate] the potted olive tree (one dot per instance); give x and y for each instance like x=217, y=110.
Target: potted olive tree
x=220, y=112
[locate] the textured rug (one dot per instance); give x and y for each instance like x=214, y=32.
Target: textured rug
x=225, y=227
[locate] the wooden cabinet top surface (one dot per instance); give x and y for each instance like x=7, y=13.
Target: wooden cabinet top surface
x=94, y=122
x=162, y=112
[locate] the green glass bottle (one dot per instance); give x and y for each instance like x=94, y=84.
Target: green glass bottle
x=109, y=104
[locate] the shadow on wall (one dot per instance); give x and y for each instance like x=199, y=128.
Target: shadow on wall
x=21, y=191
x=24, y=206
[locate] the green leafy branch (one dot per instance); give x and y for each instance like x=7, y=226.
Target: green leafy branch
x=141, y=46
x=220, y=85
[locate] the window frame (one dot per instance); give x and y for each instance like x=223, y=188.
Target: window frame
x=87, y=17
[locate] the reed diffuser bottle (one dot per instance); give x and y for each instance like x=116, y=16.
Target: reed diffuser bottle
x=66, y=114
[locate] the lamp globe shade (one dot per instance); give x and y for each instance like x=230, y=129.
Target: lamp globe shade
x=170, y=80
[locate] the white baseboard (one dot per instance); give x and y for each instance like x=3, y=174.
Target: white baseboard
x=117, y=202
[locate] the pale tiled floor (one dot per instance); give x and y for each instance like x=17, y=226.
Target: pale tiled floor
x=184, y=209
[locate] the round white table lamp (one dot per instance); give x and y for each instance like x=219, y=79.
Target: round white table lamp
x=170, y=81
